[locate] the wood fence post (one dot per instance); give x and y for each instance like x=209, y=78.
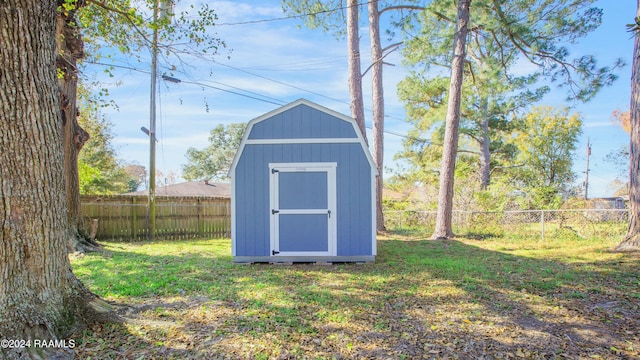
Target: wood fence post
x=200, y=224
x=134, y=218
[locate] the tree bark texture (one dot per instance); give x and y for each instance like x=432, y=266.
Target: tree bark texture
x=443, y=229
x=40, y=298
x=355, y=72
x=631, y=241
x=378, y=106
x=69, y=48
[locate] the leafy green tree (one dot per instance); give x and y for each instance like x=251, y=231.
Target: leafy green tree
x=490, y=95
x=99, y=29
x=100, y=171
x=492, y=92
x=542, y=37
x=546, y=139
x=213, y=161
x=484, y=123
x=539, y=37
x=124, y=25
x=137, y=174
x=40, y=297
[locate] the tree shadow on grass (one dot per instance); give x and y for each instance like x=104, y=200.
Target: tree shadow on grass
x=420, y=299
x=544, y=308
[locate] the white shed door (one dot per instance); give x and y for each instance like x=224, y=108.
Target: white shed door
x=303, y=215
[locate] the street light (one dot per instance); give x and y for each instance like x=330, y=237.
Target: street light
x=146, y=131
x=171, y=79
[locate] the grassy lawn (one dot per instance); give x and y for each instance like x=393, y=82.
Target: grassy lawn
x=496, y=298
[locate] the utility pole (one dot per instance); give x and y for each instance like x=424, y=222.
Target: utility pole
x=152, y=126
x=586, y=181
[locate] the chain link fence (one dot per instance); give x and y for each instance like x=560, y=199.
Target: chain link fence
x=587, y=223
x=125, y=218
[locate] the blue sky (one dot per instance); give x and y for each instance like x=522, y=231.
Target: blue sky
x=275, y=62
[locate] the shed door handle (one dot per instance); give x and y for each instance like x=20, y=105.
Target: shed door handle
x=274, y=211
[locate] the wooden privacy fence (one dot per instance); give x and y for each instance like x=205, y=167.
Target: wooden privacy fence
x=122, y=217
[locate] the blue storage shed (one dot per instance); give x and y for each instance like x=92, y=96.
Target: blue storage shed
x=303, y=189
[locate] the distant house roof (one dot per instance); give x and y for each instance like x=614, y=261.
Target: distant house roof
x=191, y=188
x=392, y=194
x=617, y=202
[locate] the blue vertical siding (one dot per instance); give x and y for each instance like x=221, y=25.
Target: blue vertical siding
x=353, y=178
x=310, y=190
x=302, y=122
x=353, y=181
x=306, y=232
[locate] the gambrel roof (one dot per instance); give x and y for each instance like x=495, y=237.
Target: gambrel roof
x=303, y=130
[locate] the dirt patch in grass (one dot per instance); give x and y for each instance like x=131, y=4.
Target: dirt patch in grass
x=421, y=299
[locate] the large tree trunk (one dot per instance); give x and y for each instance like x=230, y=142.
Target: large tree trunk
x=443, y=229
x=69, y=49
x=40, y=298
x=378, y=106
x=631, y=241
x=355, y=74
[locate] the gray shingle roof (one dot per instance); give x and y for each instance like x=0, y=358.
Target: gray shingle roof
x=191, y=188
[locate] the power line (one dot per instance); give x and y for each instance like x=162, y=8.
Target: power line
x=247, y=91
x=267, y=99
x=250, y=22
x=261, y=97
x=307, y=91
x=119, y=67
x=279, y=103
x=272, y=101
x=282, y=83
x=304, y=64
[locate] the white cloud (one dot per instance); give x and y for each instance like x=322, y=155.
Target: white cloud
x=234, y=11
x=282, y=51
x=597, y=124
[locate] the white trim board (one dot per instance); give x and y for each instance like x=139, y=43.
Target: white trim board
x=303, y=141
x=246, y=141
x=247, y=132
x=332, y=231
